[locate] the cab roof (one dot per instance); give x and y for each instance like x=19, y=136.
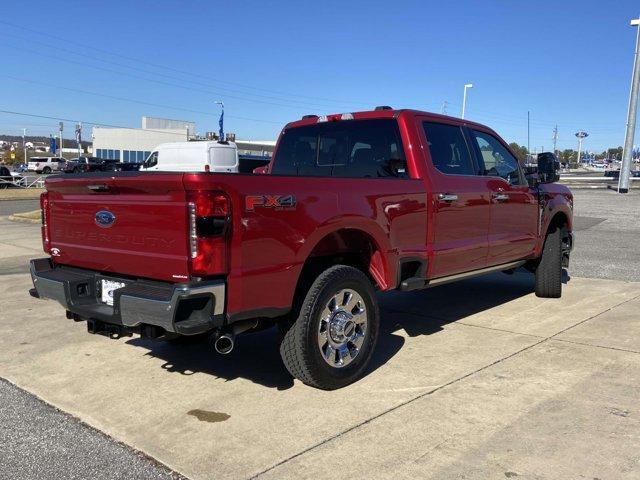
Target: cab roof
x=379, y=112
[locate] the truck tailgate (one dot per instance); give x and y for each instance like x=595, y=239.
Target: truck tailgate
x=122, y=224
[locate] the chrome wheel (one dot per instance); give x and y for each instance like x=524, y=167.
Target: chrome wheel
x=342, y=328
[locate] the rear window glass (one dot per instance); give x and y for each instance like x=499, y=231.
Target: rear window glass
x=356, y=149
x=448, y=149
x=222, y=157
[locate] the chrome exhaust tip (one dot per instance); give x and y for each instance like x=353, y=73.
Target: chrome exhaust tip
x=224, y=343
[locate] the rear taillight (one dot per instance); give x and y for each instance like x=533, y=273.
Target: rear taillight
x=208, y=231
x=44, y=229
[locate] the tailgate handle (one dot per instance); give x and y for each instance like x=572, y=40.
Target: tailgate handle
x=98, y=188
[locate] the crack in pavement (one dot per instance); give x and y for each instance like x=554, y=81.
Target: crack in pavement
x=434, y=390
x=594, y=345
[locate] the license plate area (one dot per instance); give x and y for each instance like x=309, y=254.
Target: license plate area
x=108, y=287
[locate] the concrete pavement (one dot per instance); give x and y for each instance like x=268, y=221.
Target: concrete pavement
x=456, y=387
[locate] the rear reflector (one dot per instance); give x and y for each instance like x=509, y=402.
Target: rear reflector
x=44, y=229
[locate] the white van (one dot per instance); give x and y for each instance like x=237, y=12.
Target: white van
x=193, y=157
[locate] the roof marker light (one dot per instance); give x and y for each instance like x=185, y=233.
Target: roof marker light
x=322, y=118
x=347, y=116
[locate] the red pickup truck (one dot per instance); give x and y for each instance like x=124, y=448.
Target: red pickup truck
x=350, y=204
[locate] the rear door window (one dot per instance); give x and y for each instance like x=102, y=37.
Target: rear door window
x=354, y=149
x=448, y=148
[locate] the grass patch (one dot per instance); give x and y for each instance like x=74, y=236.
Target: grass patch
x=27, y=217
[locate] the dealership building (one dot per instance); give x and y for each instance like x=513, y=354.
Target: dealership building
x=135, y=144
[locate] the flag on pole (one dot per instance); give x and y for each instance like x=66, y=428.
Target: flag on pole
x=221, y=124
x=78, y=133
x=53, y=145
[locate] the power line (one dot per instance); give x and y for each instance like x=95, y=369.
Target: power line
x=62, y=119
x=123, y=99
x=299, y=104
x=496, y=117
x=160, y=82
x=165, y=67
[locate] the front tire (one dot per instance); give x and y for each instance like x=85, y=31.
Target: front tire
x=331, y=342
x=46, y=170
x=549, y=270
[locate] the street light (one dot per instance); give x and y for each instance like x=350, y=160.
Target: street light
x=625, y=168
x=464, y=98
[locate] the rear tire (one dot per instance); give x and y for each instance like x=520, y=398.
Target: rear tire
x=46, y=170
x=549, y=270
x=331, y=342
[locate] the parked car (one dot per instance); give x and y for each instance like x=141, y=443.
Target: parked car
x=45, y=165
x=616, y=173
x=88, y=164
x=349, y=205
x=6, y=179
x=193, y=157
x=127, y=167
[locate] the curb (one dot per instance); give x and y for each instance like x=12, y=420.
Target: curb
x=19, y=199
x=13, y=218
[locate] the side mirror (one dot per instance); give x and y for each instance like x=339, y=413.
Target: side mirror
x=398, y=166
x=548, y=168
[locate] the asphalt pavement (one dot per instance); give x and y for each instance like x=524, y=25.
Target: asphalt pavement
x=9, y=207
x=39, y=442
x=607, y=235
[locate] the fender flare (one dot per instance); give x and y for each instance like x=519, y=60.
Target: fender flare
x=383, y=262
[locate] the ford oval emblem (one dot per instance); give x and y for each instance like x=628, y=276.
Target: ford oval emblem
x=104, y=218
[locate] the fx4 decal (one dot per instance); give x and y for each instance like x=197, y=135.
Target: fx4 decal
x=269, y=201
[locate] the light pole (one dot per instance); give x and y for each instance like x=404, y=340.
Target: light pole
x=79, y=139
x=625, y=168
x=221, y=121
x=24, y=145
x=464, y=98
x=61, y=125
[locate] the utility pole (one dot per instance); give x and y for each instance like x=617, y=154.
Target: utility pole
x=528, y=135
x=24, y=145
x=627, y=153
x=443, y=110
x=555, y=139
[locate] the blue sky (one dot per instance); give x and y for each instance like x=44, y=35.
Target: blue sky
x=111, y=62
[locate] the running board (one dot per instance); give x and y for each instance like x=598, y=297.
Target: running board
x=416, y=283
x=474, y=273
